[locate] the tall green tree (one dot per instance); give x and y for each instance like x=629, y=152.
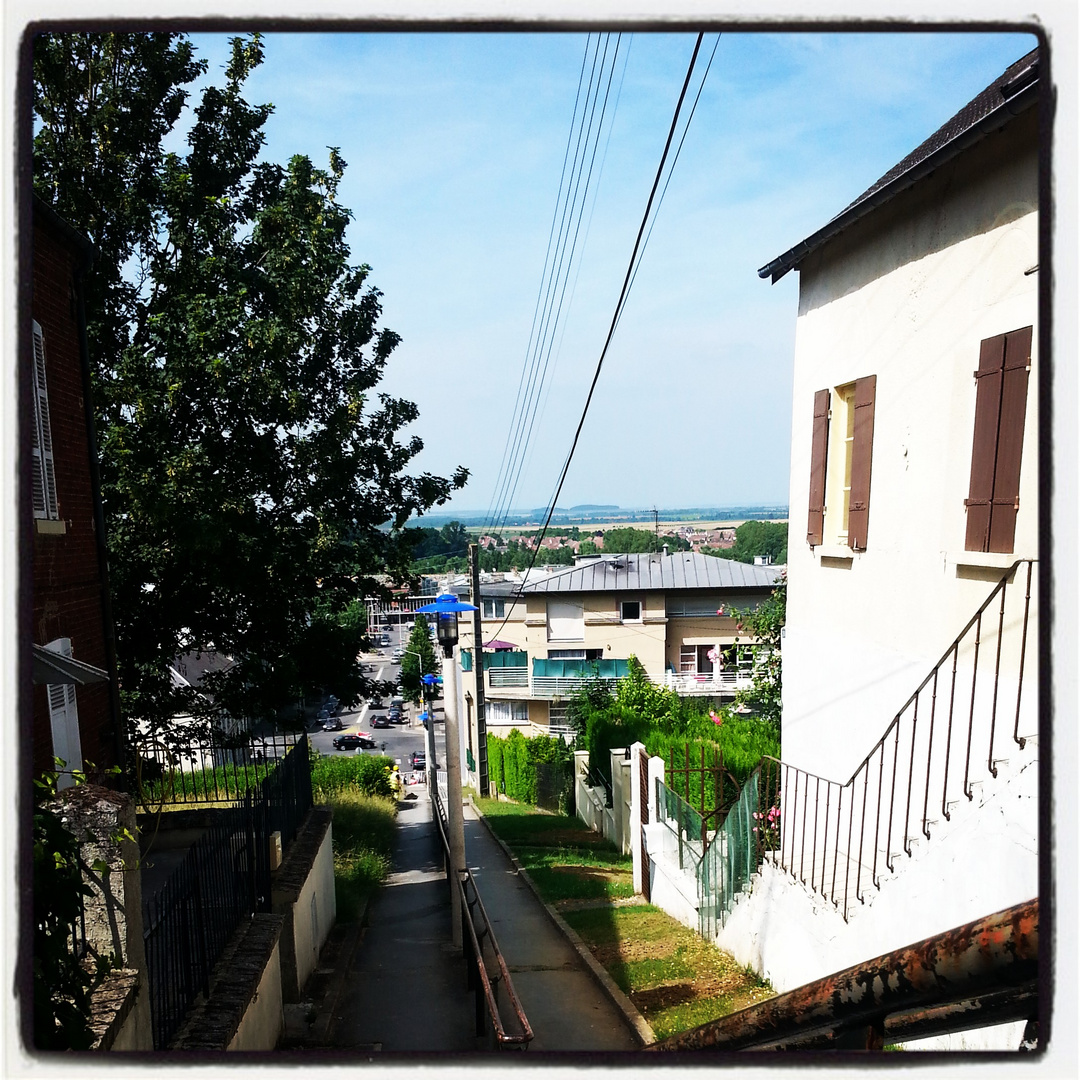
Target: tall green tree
x=419, y=660
x=253, y=476
x=764, y=626
x=753, y=538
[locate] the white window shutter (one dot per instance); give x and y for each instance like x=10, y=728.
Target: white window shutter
x=566, y=621
x=64, y=719
x=45, y=504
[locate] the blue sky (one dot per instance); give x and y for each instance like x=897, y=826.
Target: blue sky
x=455, y=143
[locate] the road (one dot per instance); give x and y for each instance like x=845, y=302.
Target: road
x=397, y=741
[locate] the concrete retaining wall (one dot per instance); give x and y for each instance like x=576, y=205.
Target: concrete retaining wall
x=303, y=893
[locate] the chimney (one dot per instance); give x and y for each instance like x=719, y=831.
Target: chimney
x=665, y=549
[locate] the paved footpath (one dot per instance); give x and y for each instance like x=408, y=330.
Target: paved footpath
x=405, y=987
x=566, y=1007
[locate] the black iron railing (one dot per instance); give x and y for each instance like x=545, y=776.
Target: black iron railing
x=223, y=879
x=839, y=838
x=213, y=769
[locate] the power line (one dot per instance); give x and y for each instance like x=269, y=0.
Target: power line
x=620, y=303
x=548, y=336
x=556, y=272
x=551, y=233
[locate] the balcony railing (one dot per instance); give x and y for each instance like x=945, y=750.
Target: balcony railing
x=508, y=676
x=721, y=684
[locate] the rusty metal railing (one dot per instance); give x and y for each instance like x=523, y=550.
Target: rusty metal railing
x=838, y=838
x=976, y=975
x=488, y=975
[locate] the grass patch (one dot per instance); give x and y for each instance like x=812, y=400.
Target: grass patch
x=676, y=980
x=566, y=860
x=364, y=831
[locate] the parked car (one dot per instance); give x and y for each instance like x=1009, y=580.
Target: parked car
x=418, y=759
x=332, y=723
x=360, y=741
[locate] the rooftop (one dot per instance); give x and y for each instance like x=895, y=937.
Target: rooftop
x=680, y=570
x=1012, y=93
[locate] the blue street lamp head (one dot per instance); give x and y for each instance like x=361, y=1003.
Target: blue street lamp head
x=446, y=608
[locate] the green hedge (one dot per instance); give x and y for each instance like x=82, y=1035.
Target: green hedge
x=368, y=775
x=538, y=771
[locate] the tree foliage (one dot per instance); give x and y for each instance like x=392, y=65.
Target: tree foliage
x=63, y=983
x=419, y=660
x=252, y=475
x=754, y=538
x=764, y=625
x=631, y=541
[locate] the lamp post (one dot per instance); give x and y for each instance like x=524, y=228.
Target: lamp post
x=446, y=607
x=429, y=701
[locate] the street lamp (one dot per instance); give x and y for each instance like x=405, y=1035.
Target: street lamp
x=446, y=608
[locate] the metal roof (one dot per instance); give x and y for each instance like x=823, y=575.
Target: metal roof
x=680, y=570
x=1012, y=93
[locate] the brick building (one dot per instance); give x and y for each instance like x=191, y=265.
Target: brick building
x=75, y=714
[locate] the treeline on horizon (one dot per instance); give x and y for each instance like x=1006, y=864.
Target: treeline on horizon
x=533, y=518
x=445, y=550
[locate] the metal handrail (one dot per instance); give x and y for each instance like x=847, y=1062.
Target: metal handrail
x=483, y=982
x=984, y=972
x=814, y=804
x=488, y=983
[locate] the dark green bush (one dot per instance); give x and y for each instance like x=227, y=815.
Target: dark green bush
x=368, y=775
x=538, y=771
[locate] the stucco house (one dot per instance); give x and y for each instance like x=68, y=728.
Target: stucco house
x=676, y=612
x=911, y=703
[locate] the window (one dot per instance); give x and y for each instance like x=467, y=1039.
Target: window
x=695, y=660
x=630, y=610
x=64, y=720
x=506, y=712
x=494, y=609
x=575, y=654
x=1000, y=406
x=44, y=482
x=565, y=621
x=840, y=459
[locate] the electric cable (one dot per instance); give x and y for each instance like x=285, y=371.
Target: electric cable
x=547, y=341
x=618, y=306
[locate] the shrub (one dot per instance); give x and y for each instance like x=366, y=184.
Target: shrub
x=537, y=771
x=359, y=773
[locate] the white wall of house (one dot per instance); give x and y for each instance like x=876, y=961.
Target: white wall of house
x=908, y=297
x=794, y=936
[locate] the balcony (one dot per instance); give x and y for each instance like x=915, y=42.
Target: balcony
x=557, y=679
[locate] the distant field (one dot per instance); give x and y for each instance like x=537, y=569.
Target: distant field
x=592, y=526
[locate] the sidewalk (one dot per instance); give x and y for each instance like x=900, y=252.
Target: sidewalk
x=398, y=986
x=404, y=988
x=566, y=1007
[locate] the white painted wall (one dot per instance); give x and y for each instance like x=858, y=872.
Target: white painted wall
x=315, y=910
x=794, y=936
x=907, y=297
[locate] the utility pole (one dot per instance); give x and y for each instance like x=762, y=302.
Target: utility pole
x=478, y=674
x=656, y=526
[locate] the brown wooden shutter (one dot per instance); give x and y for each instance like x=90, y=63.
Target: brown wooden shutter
x=819, y=447
x=862, y=448
x=1000, y=407
x=1010, y=440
